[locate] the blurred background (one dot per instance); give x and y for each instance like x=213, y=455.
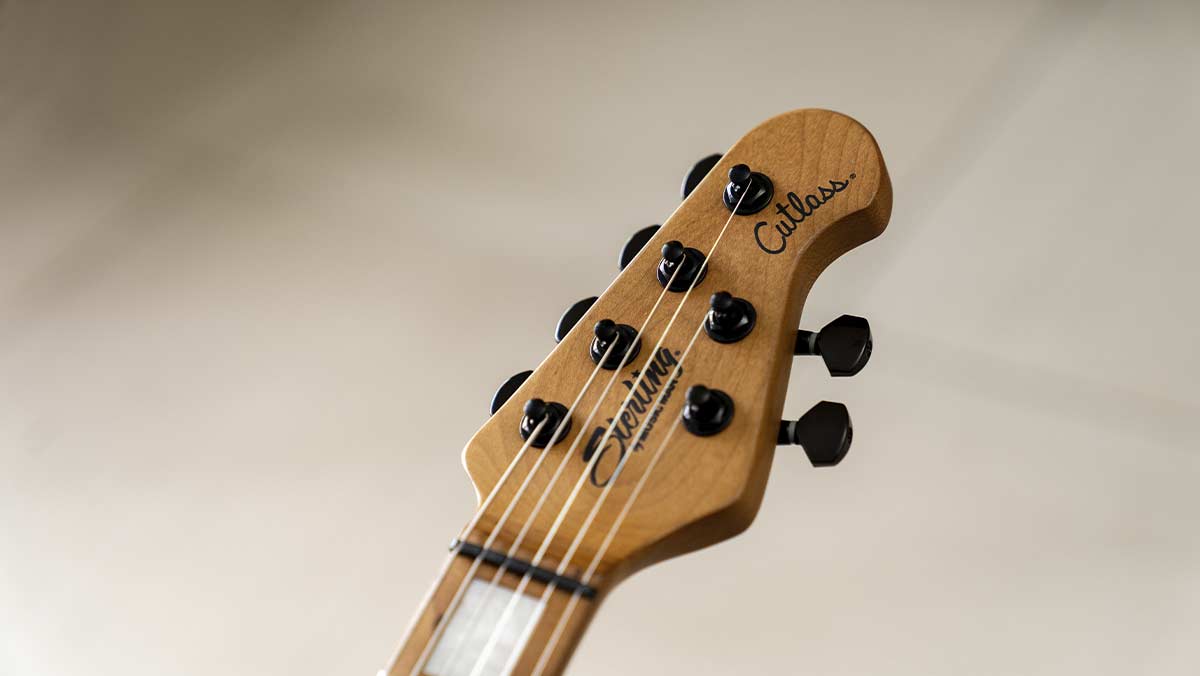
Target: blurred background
x=262, y=266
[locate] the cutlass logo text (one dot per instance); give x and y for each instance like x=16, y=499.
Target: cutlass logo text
x=619, y=442
x=776, y=242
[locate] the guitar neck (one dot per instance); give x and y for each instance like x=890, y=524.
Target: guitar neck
x=470, y=625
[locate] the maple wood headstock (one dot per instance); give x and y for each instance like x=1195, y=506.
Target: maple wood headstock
x=830, y=193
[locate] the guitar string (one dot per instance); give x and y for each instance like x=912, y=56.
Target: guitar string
x=476, y=614
x=556, y=635
x=578, y=540
x=473, y=619
x=559, y=627
x=477, y=560
x=495, y=490
x=466, y=531
x=529, y=522
x=508, y=610
x=427, y=652
x=507, y=614
x=423, y=658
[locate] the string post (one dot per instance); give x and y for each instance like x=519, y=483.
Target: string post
x=748, y=191
x=681, y=267
x=729, y=318
x=614, y=344
x=706, y=411
x=549, y=417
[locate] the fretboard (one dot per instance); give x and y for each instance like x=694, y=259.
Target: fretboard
x=475, y=623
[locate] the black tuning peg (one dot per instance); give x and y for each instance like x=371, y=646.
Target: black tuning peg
x=824, y=432
x=729, y=318
x=681, y=267
x=506, y=390
x=706, y=411
x=551, y=416
x=844, y=344
x=747, y=192
x=636, y=244
x=698, y=172
x=614, y=345
x=571, y=317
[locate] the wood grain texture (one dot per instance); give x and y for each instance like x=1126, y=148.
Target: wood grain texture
x=704, y=489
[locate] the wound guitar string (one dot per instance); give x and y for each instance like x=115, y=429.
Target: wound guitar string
x=540, y=555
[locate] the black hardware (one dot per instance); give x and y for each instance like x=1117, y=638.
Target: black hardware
x=730, y=319
x=697, y=173
x=555, y=415
x=607, y=332
x=844, y=344
x=506, y=390
x=757, y=187
x=705, y=411
x=689, y=262
x=636, y=244
x=825, y=433
x=571, y=317
x=521, y=568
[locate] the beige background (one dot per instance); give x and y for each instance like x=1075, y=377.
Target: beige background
x=261, y=267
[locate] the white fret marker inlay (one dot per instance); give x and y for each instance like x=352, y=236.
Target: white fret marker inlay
x=471, y=628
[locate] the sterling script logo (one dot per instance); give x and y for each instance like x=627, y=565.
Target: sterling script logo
x=620, y=441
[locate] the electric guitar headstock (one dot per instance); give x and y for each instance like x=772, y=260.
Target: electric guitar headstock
x=649, y=430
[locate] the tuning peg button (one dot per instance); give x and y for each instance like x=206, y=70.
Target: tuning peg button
x=844, y=344
x=623, y=340
x=825, y=433
x=636, y=244
x=553, y=414
x=571, y=317
x=681, y=267
x=706, y=411
x=748, y=191
x=730, y=319
x=698, y=172
x=505, y=392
